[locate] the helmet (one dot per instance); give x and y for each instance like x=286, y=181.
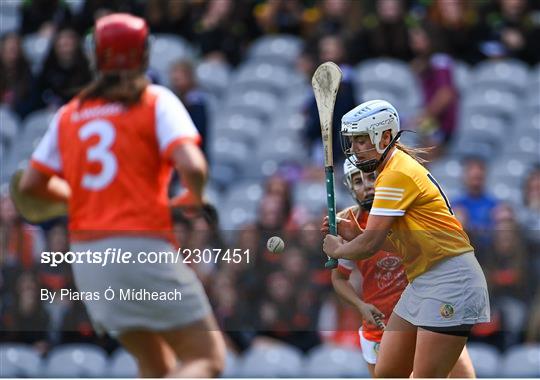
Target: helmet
x=371, y=118
x=350, y=168
x=121, y=42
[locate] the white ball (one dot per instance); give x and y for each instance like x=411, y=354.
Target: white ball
x=275, y=244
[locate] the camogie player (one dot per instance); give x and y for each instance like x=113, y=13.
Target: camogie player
x=114, y=146
x=447, y=291
x=383, y=275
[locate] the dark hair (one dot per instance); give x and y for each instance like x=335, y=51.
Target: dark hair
x=124, y=87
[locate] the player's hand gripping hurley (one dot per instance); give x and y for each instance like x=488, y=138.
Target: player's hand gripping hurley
x=325, y=83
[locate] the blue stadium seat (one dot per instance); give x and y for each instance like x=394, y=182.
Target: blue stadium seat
x=19, y=360
x=311, y=196
x=333, y=361
x=263, y=74
x=238, y=126
x=505, y=75
x=276, y=49
x=485, y=359
x=282, y=148
x=75, y=360
x=276, y=360
x=122, y=364
x=522, y=361
x=482, y=127
x=525, y=145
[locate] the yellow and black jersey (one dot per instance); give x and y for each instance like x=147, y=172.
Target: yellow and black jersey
x=426, y=230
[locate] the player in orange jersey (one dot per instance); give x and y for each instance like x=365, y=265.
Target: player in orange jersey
x=383, y=275
x=114, y=145
x=447, y=291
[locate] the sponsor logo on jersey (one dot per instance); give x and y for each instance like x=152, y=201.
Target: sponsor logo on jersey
x=447, y=310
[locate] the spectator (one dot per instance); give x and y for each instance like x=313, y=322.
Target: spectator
x=65, y=71
x=438, y=118
x=331, y=48
x=456, y=24
x=44, y=16
x=16, y=81
x=28, y=321
x=506, y=273
x=533, y=328
x=184, y=84
x=223, y=31
x=531, y=201
x=476, y=204
x=338, y=17
x=280, y=16
x=94, y=9
x=386, y=31
x=508, y=29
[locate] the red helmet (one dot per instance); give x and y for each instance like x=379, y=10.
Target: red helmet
x=121, y=42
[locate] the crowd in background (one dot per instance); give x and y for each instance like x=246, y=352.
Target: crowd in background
x=289, y=296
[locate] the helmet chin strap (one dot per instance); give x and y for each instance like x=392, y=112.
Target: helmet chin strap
x=366, y=204
x=369, y=166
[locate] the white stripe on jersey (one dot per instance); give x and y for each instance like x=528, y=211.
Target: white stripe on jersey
x=396, y=189
x=388, y=198
x=386, y=212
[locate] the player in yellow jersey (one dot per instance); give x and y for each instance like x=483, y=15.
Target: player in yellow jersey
x=447, y=292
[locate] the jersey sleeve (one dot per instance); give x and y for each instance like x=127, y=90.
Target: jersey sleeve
x=394, y=193
x=46, y=158
x=345, y=267
x=173, y=123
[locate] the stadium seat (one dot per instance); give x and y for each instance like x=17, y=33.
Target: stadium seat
x=483, y=127
x=333, y=361
x=297, y=98
x=505, y=75
x=234, y=216
x=522, y=361
x=36, y=123
x=525, y=146
x=264, y=74
x=282, y=149
x=389, y=76
x=122, y=364
x=265, y=103
x=276, y=49
x=213, y=76
x=239, y=126
x=461, y=75
x=19, y=360
x=10, y=125
x=75, y=360
x=462, y=146
x=310, y=196
x=289, y=121
x=485, y=359
x=166, y=49
x=493, y=102
x=276, y=360
x=245, y=191
x=36, y=48
x=226, y=150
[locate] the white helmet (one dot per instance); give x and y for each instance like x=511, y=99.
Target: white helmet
x=350, y=169
x=372, y=118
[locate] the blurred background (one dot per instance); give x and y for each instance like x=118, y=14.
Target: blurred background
x=464, y=75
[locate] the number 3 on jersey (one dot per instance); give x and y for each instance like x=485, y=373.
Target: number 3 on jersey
x=101, y=153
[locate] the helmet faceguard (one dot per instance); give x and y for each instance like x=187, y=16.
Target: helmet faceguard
x=370, y=118
x=121, y=43
x=350, y=169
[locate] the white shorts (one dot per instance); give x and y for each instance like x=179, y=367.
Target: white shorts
x=119, y=315
x=370, y=349
x=452, y=293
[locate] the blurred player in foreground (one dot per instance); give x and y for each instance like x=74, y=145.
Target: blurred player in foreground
x=114, y=145
x=383, y=275
x=447, y=292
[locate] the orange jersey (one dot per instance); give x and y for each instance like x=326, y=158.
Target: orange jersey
x=383, y=280
x=116, y=160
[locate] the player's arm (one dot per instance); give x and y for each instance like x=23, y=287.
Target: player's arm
x=35, y=182
x=363, y=246
x=190, y=163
